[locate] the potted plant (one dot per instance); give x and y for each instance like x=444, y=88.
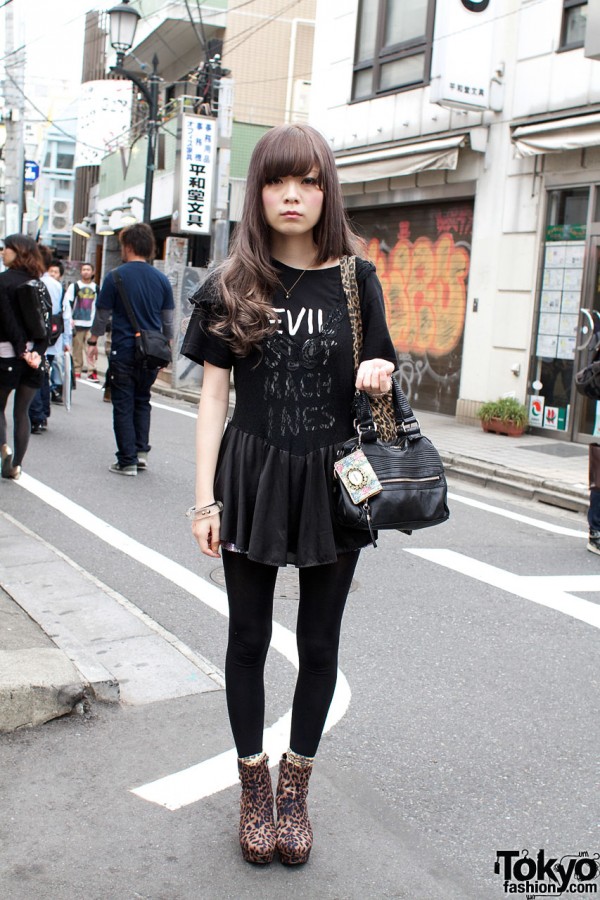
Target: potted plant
x=504, y=416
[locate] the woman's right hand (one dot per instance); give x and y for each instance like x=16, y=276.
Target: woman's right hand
x=207, y=531
x=32, y=358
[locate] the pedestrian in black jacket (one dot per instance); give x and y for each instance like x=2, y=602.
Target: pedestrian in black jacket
x=21, y=356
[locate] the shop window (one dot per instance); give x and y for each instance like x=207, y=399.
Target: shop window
x=64, y=160
x=558, y=312
x=573, y=24
x=393, y=46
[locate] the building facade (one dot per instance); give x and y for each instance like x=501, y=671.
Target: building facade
x=467, y=140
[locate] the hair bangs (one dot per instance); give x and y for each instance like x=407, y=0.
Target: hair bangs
x=290, y=151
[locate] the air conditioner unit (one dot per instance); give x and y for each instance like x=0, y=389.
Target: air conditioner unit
x=61, y=216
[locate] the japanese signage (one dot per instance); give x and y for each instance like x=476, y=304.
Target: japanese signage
x=197, y=173
x=462, y=63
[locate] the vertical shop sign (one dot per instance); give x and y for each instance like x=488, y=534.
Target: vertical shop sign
x=198, y=155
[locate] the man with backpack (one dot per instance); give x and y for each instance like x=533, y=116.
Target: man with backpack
x=82, y=296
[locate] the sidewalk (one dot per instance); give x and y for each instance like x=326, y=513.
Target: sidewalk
x=55, y=618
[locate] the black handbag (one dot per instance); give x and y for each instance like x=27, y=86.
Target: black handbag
x=152, y=348
x=410, y=471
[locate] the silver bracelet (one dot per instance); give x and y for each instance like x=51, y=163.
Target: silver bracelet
x=197, y=512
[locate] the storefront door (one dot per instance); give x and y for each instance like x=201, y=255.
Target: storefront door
x=586, y=412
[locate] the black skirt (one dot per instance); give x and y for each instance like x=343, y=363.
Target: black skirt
x=277, y=507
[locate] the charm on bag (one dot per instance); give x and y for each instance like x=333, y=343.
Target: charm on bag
x=357, y=476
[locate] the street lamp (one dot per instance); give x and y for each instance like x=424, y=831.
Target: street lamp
x=123, y=23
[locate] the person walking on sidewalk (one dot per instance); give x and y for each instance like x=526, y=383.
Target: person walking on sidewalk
x=64, y=343
x=82, y=296
x=21, y=353
x=151, y=298
x=594, y=507
x=39, y=411
x=275, y=312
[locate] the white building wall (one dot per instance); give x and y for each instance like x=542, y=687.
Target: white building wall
x=509, y=192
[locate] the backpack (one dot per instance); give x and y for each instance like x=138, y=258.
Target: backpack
x=35, y=307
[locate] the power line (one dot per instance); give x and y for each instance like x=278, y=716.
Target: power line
x=193, y=24
x=253, y=29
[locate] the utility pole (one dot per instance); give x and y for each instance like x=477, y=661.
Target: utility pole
x=13, y=116
x=223, y=99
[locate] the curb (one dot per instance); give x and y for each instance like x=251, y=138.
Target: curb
x=513, y=481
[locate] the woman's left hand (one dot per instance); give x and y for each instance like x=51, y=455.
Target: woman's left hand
x=374, y=376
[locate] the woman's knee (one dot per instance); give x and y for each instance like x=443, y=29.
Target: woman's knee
x=318, y=653
x=248, y=646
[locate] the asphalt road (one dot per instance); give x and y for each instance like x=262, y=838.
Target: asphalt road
x=473, y=725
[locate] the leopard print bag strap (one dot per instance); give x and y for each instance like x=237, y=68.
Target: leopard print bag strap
x=382, y=407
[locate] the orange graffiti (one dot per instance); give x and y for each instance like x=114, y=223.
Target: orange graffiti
x=425, y=292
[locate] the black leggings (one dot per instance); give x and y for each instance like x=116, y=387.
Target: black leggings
x=24, y=394
x=323, y=592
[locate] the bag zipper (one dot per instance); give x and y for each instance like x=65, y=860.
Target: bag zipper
x=413, y=480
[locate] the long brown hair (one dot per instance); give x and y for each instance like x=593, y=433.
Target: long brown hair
x=28, y=256
x=247, y=279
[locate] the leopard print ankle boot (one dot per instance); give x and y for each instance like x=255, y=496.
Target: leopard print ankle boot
x=257, y=824
x=294, y=831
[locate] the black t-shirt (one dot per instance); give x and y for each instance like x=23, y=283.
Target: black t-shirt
x=296, y=390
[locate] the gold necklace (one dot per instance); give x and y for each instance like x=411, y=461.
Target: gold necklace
x=285, y=290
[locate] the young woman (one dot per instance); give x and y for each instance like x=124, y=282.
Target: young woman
x=21, y=359
x=275, y=312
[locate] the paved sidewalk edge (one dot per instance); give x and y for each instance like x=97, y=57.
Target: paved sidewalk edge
x=514, y=481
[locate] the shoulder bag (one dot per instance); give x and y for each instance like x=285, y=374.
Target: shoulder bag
x=152, y=348
x=402, y=485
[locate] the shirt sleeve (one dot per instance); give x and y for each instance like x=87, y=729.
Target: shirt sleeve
x=168, y=301
x=377, y=343
x=108, y=292
x=200, y=344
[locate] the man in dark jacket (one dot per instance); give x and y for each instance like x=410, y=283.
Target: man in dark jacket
x=151, y=298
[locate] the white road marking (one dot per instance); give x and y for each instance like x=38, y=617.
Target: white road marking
x=174, y=409
x=210, y=776
x=517, y=517
x=546, y=590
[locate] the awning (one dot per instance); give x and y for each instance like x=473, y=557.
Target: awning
x=404, y=160
x=557, y=136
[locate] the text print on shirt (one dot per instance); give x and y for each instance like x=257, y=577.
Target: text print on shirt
x=297, y=372
x=308, y=323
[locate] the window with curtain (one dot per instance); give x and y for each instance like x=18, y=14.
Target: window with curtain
x=393, y=46
x=573, y=24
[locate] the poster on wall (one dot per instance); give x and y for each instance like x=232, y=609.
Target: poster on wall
x=560, y=299
x=422, y=255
